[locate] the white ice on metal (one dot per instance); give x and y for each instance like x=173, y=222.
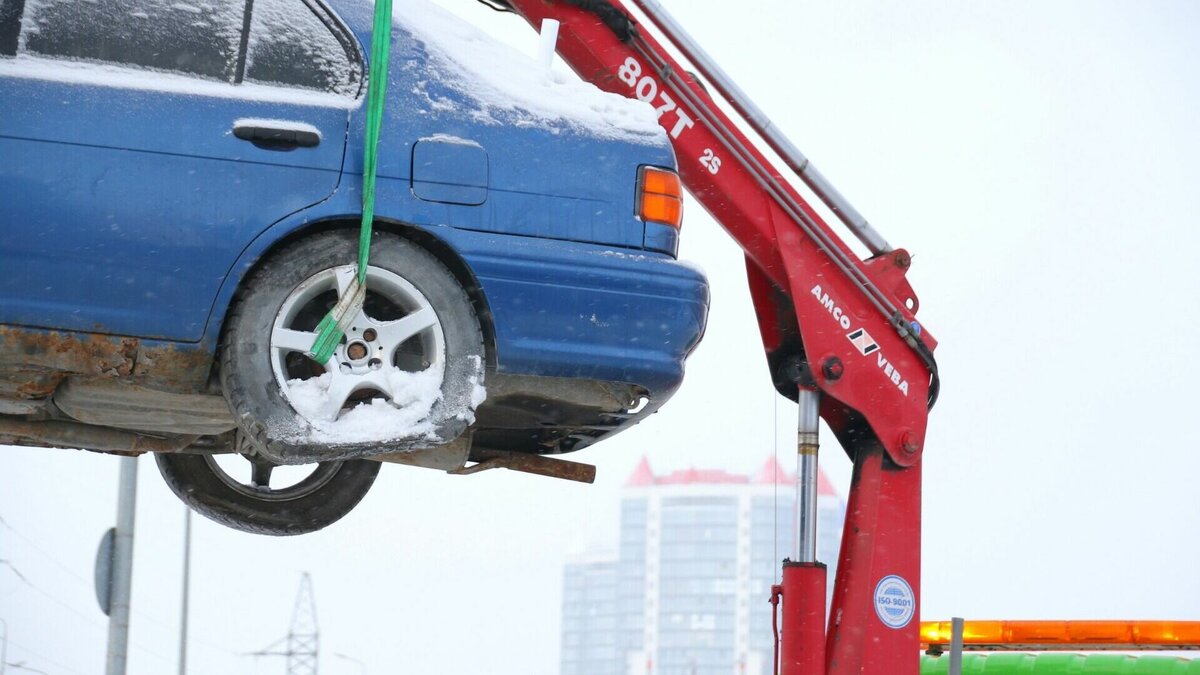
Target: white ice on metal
x=511, y=88
x=548, y=41
x=319, y=401
x=478, y=392
x=620, y=255
x=286, y=125
x=453, y=140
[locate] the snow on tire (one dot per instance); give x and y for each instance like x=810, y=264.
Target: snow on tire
x=408, y=374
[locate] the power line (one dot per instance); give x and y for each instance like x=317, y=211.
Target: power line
x=22, y=666
x=33, y=545
x=40, y=657
x=66, y=606
x=90, y=584
x=47, y=595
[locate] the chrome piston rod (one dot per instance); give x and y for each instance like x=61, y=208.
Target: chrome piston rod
x=806, y=475
x=758, y=120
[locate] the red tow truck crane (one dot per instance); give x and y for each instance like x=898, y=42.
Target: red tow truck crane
x=842, y=339
x=840, y=333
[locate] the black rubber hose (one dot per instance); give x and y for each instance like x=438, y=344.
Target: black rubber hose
x=618, y=21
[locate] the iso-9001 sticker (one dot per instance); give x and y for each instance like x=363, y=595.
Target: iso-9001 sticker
x=895, y=603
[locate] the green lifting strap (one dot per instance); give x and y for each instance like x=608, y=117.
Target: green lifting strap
x=332, y=328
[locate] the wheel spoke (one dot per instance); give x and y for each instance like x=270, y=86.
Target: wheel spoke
x=380, y=382
x=341, y=386
x=260, y=476
x=292, y=340
x=392, y=334
x=344, y=276
x=351, y=375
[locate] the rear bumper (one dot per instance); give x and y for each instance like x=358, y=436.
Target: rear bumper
x=583, y=334
x=570, y=310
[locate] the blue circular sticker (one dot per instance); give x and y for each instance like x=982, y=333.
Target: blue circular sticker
x=894, y=601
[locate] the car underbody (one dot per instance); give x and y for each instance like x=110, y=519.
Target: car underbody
x=116, y=409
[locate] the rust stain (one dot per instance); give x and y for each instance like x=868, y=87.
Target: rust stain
x=166, y=363
x=41, y=358
x=34, y=384
x=69, y=352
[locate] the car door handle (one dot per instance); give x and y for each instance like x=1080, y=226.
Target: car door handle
x=276, y=137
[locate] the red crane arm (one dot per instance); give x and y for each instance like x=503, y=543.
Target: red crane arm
x=840, y=335
x=852, y=321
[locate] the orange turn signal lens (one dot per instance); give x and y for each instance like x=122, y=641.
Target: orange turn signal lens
x=662, y=209
x=660, y=196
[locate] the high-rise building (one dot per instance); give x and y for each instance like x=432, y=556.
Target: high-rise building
x=589, y=616
x=687, y=592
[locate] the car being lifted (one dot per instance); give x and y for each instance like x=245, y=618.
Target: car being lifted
x=181, y=195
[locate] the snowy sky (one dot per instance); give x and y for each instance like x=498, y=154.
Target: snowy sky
x=1041, y=160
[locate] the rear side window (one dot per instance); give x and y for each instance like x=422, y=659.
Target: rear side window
x=195, y=37
x=10, y=25
x=294, y=43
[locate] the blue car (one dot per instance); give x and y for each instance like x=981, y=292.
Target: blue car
x=180, y=197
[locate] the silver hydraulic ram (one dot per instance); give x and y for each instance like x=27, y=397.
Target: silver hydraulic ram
x=807, y=445
x=789, y=153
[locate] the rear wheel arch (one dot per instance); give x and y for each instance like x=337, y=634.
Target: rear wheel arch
x=398, y=363
x=458, y=267
x=422, y=237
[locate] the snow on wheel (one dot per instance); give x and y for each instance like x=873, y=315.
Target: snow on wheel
x=408, y=374
x=385, y=375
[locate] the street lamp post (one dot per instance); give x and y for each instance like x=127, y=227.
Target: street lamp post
x=122, y=569
x=183, y=612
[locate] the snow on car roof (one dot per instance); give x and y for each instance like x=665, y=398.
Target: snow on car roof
x=512, y=88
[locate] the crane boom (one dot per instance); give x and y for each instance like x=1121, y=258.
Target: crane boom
x=840, y=333
x=883, y=373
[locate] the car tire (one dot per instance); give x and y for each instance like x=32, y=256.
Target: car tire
x=327, y=494
x=283, y=296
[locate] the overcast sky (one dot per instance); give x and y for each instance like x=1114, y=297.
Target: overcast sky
x=1042, y=162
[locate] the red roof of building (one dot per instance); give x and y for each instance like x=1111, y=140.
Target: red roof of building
x=824, y=487
x=696, y=476
x=771, y=472
x=642, y=475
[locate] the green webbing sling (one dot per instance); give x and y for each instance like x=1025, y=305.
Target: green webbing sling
x=333, y=327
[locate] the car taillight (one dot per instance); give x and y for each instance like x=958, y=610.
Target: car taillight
x=660, y=196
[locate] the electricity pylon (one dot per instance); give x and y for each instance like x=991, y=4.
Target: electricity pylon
x=303, y=638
